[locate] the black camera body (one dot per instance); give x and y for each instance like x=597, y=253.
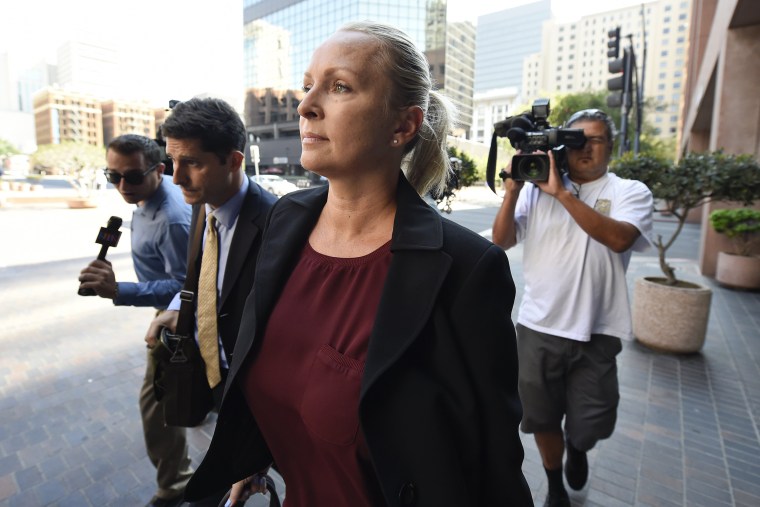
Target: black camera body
x=530, y=132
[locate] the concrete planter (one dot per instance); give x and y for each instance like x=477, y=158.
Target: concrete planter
x=738, y=271
x=670, y=318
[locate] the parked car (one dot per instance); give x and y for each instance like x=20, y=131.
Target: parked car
x=274, y=184
x=310, y=179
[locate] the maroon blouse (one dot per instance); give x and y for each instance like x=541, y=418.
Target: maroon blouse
x=303, y=387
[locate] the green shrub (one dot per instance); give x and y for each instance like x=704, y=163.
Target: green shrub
x=696, y=179
x=741, y=226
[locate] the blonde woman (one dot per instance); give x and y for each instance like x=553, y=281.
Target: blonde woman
x=376, y=360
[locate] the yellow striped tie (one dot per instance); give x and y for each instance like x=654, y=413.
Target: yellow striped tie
x=208, y=334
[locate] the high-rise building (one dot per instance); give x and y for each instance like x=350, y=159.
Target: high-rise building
x=88, y=67
x=267, y=106
x=573, y=56
x=459, y=66
x=16, y=118
x=267, y=53
x=61, y=115
x=122, y=117
x=490, y=107
x=286, y=32
x=281, y=35
x=504, y=39
x=32, y=80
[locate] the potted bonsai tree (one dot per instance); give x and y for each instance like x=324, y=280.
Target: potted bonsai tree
x=668, y=313
x=738, y=269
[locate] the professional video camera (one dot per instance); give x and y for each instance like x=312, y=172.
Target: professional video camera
x=530, y=132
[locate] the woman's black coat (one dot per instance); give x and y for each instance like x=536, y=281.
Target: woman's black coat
x=438, y=407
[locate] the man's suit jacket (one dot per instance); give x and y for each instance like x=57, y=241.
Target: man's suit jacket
x=439, y=407
x=241, y=261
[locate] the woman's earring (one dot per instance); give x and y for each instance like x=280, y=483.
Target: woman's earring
x=395, y=141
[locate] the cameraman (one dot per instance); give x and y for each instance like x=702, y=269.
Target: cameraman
x=579, y=230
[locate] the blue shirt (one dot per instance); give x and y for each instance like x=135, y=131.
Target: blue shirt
x=160, y=230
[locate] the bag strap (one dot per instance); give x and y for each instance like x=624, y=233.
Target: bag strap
x=187, y=295
x=274, y=499
x=191, y=281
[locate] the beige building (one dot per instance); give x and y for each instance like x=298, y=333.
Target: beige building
x=459, y=65
x=267, y=106
x=574, y=58
x=121, y=117
x=160, y=115
x=61, y=116
x=491, y=107
x=721, y=106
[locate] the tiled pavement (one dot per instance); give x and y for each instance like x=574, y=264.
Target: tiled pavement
x=70, y=370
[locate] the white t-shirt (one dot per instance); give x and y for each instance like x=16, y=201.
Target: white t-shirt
x=574, y=285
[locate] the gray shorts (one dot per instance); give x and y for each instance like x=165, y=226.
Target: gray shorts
x=566, y=378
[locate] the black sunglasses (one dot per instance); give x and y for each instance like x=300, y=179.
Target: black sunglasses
x=133, y=177
x=587, y=114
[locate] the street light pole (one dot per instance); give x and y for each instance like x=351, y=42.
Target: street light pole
x=640, y=87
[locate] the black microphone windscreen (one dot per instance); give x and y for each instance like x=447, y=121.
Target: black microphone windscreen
x=114, y=223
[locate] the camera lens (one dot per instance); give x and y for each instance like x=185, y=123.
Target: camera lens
x=533, y=168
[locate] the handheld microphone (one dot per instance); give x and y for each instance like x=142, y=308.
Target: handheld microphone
x=108, y=236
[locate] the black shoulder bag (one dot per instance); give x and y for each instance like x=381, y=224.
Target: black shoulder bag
x=180, y=382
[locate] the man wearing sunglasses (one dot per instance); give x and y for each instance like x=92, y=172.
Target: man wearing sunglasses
x=159, y=232
x=578, y=230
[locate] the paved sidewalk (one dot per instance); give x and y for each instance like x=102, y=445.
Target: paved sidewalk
x=71, y=368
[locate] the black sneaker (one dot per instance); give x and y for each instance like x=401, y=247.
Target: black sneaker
x=557, y=499
x=576, y=467
x=165, y=502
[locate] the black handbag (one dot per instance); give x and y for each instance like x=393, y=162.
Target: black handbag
x=180, y=382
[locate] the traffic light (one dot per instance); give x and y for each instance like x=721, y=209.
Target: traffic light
x=620, y=85
x=614, y=43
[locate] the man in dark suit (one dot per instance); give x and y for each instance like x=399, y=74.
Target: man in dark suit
x=205, y=139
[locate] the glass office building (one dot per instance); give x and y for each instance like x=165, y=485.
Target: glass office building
x=504, y=39
x=280, y=35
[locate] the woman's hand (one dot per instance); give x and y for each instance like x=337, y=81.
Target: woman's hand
x=246, y=488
